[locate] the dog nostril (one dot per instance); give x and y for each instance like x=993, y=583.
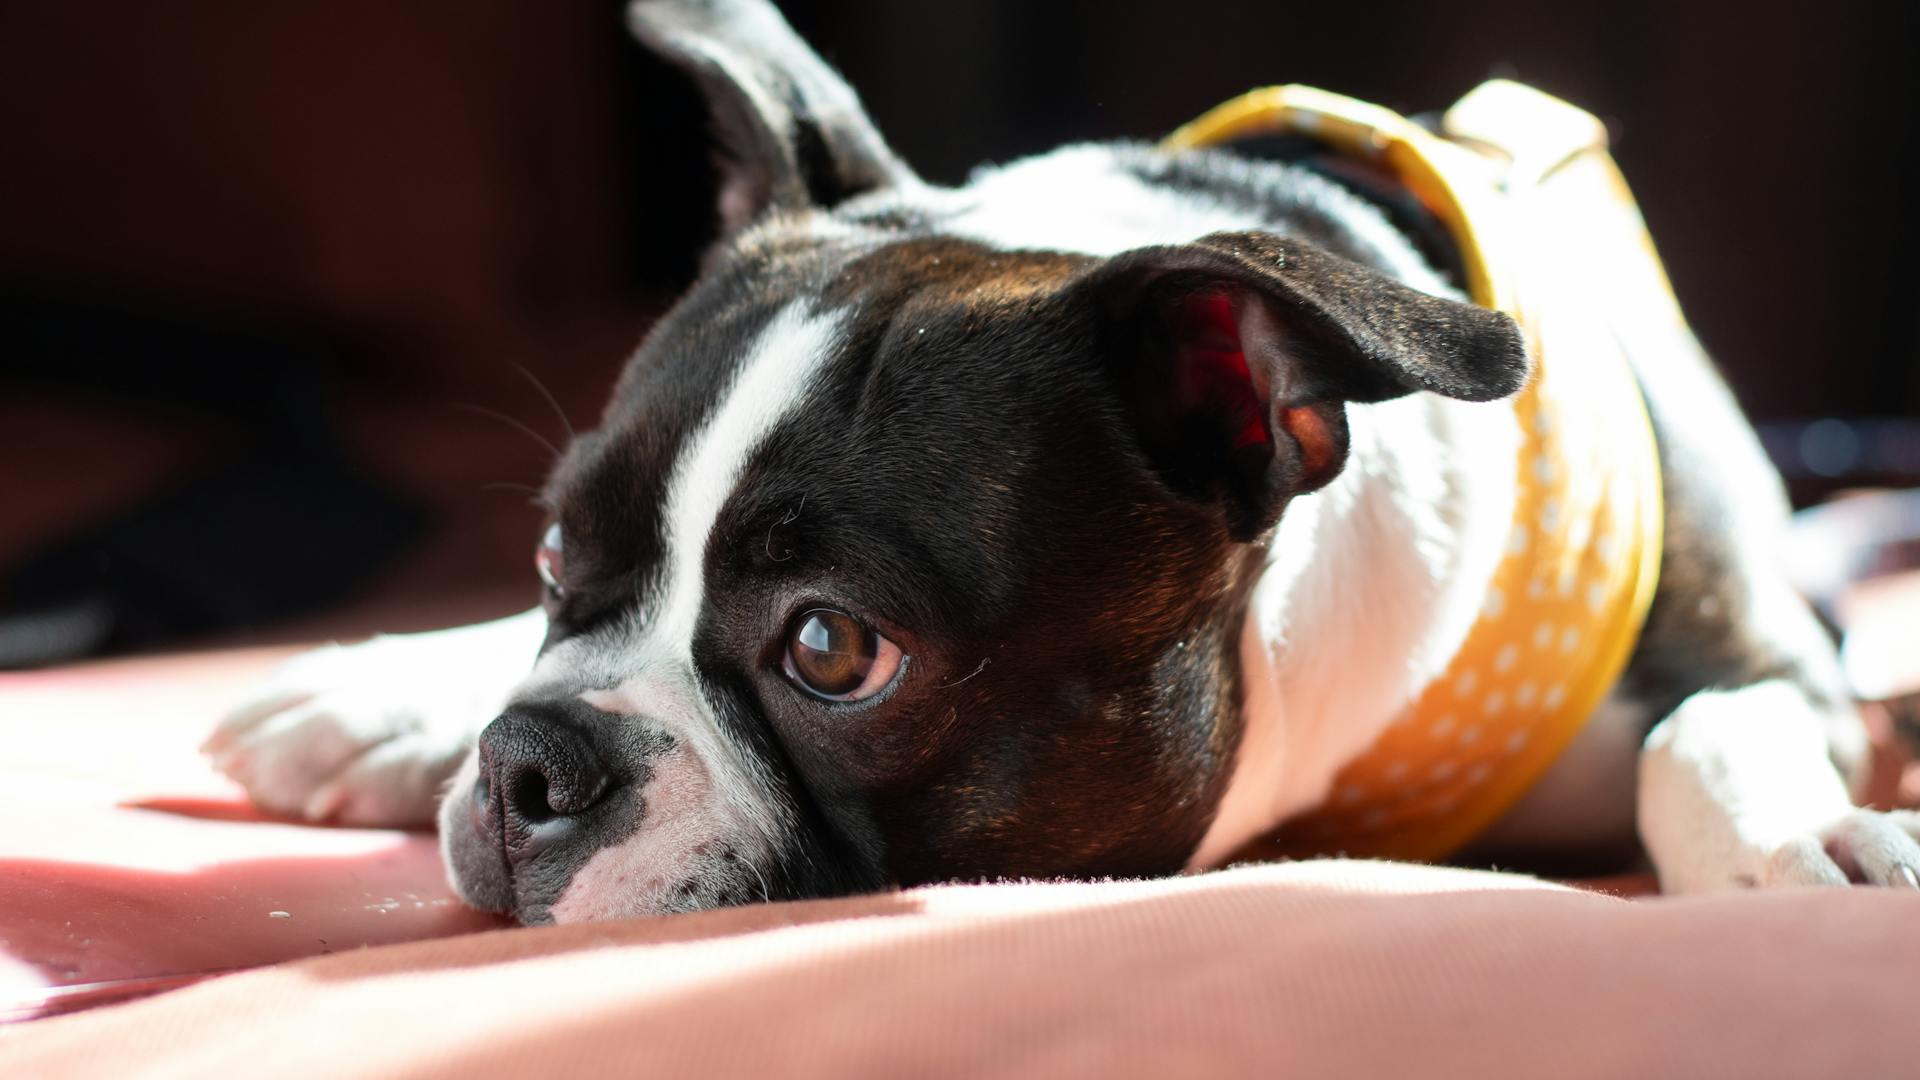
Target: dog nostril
x=536, y=792
x=529, y=798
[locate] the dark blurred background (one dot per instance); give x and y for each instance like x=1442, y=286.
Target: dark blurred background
x=277, y=280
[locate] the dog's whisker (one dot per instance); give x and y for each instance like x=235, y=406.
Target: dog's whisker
x=513, y=485
x=468, y=406
x=766, y=891
x=548, y=395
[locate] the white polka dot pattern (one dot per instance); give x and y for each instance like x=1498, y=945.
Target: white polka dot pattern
x=1504, y=708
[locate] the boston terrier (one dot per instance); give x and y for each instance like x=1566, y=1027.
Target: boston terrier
x=1093, y=518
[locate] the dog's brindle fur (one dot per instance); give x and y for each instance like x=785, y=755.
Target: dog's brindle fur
x=1070, y=576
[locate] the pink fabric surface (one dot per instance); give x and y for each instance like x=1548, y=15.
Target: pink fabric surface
x=127, y=866
x=1303, y=969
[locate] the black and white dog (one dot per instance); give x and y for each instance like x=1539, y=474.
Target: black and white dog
x=895, y=559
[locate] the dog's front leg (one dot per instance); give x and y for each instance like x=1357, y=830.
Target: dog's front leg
x=368, y=734
x=1737, y=790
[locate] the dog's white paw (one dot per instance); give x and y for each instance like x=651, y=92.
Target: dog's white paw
x=1737, y=790
x=1865, y=847
x=363, y=734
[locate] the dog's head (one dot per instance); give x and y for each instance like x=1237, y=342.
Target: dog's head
x=902, y=556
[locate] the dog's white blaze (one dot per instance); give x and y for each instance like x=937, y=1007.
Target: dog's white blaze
x=773, y=380
x=650, y=667
x=1371, y=585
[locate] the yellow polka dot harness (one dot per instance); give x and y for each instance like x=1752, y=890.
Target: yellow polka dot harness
x=1547, y=232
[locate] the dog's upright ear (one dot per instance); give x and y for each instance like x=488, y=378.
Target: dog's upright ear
x=1238, y=353
x=791, y=133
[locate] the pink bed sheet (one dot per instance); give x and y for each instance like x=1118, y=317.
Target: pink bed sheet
x=1303, y=969
x=127, y=867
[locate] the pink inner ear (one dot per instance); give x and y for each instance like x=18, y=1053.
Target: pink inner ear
x=1210, y=369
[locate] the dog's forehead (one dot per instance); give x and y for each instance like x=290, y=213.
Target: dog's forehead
x=924, y=308
x=891, y=394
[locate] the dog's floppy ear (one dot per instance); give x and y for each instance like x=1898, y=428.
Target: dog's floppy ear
x=1238, y=353
x=791, y=132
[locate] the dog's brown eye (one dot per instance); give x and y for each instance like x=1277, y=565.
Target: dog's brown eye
x=550, y=561
x=835, y=656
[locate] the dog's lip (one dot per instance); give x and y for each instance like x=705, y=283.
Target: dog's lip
x=477, y=866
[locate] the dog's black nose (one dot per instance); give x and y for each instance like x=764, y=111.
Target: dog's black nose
x=537, y=771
